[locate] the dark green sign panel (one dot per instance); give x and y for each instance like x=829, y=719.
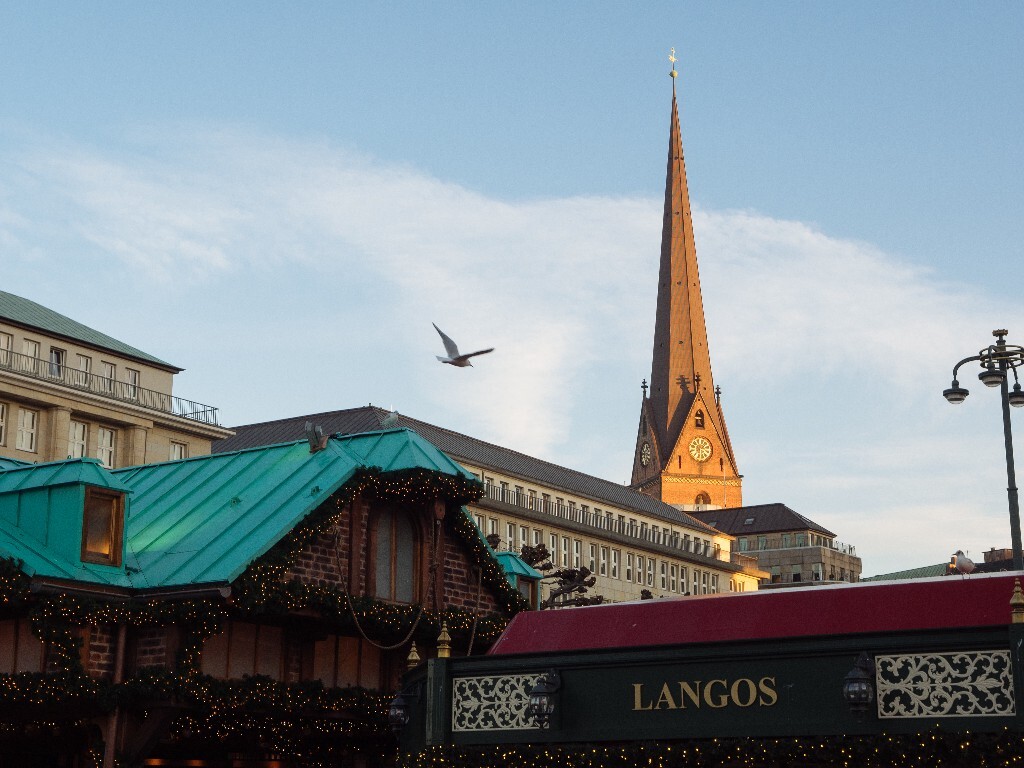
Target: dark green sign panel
x=936, y=680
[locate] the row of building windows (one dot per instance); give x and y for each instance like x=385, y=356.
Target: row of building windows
x=603, y=519
x=795, y=574
x=56, y=366
x=27, y=438
x=606, y=561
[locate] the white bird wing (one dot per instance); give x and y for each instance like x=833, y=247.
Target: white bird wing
x=474, y=354
x=449, y=345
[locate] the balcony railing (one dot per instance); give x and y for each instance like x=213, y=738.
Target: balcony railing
x=603, y=522
x=755, y=545
x=59, y=373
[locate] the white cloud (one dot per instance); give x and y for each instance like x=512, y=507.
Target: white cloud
x=302, y=277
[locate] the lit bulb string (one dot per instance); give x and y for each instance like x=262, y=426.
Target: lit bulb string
x=253, y=591
x=432, y=570
x=921, y=750
x=55, y=617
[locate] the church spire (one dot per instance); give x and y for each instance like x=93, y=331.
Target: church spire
x=682, y=422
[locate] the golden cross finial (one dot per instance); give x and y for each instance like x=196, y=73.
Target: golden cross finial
x=672, y=58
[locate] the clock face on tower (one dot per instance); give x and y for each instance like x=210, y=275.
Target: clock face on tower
x=645, y=453
x=700, y=448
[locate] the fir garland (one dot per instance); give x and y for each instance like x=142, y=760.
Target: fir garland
x=262, y=588
x=13, y=582
x=275, y=715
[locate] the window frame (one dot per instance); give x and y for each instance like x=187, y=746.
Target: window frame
x=73, y=443
x=58, y=362
x=30, y=348
x=32, y=433
x=132, y=382
x=101, y=449
x=392, y=515
x=116, y=528
x=108, y=375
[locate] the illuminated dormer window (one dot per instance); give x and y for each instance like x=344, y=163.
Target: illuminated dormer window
x=102, y=526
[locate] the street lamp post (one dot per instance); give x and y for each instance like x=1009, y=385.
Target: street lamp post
x=995, y=361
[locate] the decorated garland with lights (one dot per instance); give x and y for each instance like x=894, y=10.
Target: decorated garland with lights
x=263, y=589
x=304, y=719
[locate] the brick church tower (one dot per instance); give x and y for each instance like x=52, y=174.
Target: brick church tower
x=683, y=454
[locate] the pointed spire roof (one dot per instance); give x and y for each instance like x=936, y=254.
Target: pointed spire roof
x=681, y=362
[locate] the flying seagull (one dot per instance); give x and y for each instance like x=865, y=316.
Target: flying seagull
x=454, y=358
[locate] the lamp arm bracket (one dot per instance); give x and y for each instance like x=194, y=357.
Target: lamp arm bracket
x=970, y=359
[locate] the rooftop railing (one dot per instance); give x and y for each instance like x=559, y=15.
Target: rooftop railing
x=58, y=373
x=757, y=544
x=604, y=522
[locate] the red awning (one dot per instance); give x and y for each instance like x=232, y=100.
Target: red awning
x=950, y=601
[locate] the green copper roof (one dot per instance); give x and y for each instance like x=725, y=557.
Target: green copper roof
x=200, y=520
x=57, y=473
x=206, y=519
x=41, y=508
x=925, y=571
x=514, y=565
x=28, y=313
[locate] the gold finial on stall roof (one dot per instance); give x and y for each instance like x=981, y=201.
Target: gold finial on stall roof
x=1017, y=604
x=413, y=659
x=444, y=642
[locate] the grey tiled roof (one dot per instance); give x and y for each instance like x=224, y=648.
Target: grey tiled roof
x=30, y=314
x=765, y=518
x=465, y=448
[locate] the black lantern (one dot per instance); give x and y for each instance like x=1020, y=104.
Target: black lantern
x=859, y=685
x=542, y=698
x=1016, y=397
x=991, y=376
x=955, y=394
x=398, y=713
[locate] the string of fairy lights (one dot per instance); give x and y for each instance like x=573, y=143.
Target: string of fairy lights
x=305, y=720
x=1002, y=749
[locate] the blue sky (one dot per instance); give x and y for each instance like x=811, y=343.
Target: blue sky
x=280, y=197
